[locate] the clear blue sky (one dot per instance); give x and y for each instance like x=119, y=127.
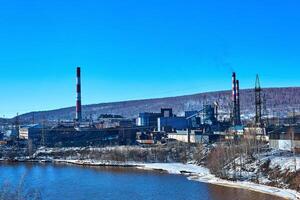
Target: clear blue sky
x=141, y=49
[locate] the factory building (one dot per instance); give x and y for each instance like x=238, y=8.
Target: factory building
x=236, y=130
x=146, y=138
x=30, y=131
x=194, y=136
x=66, y=136
x=285, y=138
x=10, y=133
x=166, y=112
x=205, y=119
x=169, y=124
x=113, y=121
x=147, y=119
x=194, y=120
x=258, y=133
x=209, y=115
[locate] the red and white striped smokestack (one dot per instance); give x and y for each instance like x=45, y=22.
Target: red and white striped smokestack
x=78, y=100
x=238, y=111
x=234, y=98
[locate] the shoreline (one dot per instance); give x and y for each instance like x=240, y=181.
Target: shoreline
x=191, y=171
x=202, y=174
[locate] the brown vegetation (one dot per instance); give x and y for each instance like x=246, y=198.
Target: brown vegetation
x=282, y=179
x=232, y=155
x=172, y=152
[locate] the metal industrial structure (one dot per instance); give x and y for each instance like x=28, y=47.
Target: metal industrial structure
x=209, y=123
x=236, y=116
x=258, y=102
x=213, y=122
x=78, y=100
x=238, y=102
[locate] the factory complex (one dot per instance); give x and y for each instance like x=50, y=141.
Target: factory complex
x=207, y=126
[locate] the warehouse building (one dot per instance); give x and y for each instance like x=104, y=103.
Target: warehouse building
x=194, y=136
x=169, y=124
x=30, y=131
x=147, y=119
x=286, y=138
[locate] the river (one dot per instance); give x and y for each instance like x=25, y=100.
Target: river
x=68, y=182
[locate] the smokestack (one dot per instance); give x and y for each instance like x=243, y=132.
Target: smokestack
x=78, y=100
x=234, y=99
x=238, y=108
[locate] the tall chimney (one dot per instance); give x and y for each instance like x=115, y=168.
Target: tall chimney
x=78, y=100
x=238, y=108
x=234, y=99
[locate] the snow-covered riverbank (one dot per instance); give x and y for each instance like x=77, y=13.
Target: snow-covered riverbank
x=202, y=174
x=194, y=173
x=273, y=168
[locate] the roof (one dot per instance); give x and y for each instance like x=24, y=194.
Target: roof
x=285, y=132
x=31, y=126
x=286, y=129
x=237, y=128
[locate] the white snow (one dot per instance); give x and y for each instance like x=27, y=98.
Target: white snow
x=202, y=174
x=286, y=163
x=96, y=163
x=177, y=168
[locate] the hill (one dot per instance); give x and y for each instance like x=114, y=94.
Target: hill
x=278, y=101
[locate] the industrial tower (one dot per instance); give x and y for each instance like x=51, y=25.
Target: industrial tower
x=258, y=102
x=78, y=100
x=236, y=113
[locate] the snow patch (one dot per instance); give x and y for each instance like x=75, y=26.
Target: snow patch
x=202, y=174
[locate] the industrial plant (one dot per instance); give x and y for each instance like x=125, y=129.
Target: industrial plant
x=211, y=124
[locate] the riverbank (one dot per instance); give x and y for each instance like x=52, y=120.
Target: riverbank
x=202, y=174
x=191, y=171
x=268, y=172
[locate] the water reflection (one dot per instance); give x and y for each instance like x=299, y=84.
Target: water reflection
x=75, y=182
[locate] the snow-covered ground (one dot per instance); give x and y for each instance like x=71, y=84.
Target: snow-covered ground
x=202, y=174
x=289, y=163
x=195, y=173
x=177, y=168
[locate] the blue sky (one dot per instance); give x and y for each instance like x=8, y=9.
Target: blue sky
x=141, y=49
